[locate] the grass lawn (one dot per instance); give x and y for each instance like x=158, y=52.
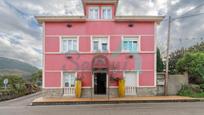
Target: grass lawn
x=198, y=95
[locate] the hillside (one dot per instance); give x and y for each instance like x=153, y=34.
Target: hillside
x=15, y=67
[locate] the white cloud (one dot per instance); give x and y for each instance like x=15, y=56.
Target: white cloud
x=182, y=10
x=173, y=2
x=20, y=35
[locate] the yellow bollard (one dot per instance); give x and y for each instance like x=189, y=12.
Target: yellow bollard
x=121, y=88
x=78, y=88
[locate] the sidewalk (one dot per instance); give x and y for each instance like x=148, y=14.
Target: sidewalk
x=135, y=99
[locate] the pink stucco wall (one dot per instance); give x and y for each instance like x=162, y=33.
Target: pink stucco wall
x=55, y=61
x=100, y=28
x=52, y=79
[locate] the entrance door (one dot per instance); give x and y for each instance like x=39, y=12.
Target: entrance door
x=100, y=83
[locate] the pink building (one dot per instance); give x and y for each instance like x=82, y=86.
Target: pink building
x=99, y=48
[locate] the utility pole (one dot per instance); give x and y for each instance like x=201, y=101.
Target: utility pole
x=167, y=58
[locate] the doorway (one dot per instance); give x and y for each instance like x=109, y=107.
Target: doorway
x=100, y=82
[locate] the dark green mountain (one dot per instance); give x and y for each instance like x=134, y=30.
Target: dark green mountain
x=15, y=67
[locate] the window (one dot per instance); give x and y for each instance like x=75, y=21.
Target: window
x=130, y=79
x=94, y=13
x=100, y=44
x=131, y=83
x=106, y=13
x=69, y=79
x=130, y=44
x=69, y=44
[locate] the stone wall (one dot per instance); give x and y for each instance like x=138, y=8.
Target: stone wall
x=52, y=92
x=175, y=82
x=86, y=92
x=147, y=91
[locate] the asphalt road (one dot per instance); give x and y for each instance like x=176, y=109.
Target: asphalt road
x=21, y=106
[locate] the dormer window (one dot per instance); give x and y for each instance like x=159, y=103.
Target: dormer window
x=100, y=12
x=93, y=12
x=106, y=12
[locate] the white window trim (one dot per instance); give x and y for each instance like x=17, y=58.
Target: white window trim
x=135, y=37
x=68, y=37
x=93, y=7
x=102, y=36
x=104, y=7
x=62, y=77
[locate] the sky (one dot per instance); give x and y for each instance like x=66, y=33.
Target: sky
x=21, y=35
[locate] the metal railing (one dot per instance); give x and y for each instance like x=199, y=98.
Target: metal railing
x=130, y=90
x=69, y=91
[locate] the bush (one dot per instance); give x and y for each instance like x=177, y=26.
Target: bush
x=185, y=91
x=202, y=86
x=193, y=63
x=191, y=91
x=37, y=78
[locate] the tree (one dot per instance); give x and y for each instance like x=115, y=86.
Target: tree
x=160, y=64
x=37, y=78
x=193, y=63
x=175, y=56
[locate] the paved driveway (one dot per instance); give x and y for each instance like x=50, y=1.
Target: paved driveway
x=22, y=106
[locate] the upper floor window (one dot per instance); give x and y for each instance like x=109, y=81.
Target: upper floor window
x=130, y=44
x=106, y=12
x=100, y=44
x=69, y=44
x=93, y=12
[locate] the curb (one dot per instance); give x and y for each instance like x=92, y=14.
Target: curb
x=114, y=102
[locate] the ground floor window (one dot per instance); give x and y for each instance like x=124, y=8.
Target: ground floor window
x=131, y=83
x=69, y=79
x=69, y=83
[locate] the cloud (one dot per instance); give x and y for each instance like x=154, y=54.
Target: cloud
x=21, y=36
x=185, y=31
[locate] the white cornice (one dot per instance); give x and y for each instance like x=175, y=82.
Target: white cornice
x=157, y=19
x=42, y=19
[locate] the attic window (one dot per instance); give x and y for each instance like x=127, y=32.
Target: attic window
x=93, y=12
x=100, y=12
x=106, y=12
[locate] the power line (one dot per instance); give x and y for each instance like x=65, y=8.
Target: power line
x=188, y=16
x=193, y=9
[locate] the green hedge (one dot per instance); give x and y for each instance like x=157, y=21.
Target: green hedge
x=192, y=91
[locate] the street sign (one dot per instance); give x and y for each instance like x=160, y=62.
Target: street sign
x=5, y=83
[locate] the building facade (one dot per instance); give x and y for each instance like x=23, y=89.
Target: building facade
x=99, y=48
